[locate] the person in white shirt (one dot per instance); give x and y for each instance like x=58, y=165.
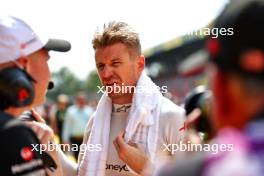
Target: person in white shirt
x=76, y=119
x=133, y=126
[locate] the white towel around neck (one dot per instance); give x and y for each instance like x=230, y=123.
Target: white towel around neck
x=145, y=111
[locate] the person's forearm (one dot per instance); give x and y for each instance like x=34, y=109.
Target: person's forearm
x=55, y=156
x=69, y=168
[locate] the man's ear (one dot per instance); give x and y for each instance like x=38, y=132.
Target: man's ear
x=22, y=62
x=141, y=62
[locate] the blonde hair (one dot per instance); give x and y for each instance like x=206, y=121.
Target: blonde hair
x=117, y=32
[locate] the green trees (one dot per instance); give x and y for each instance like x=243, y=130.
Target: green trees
x=66, y=82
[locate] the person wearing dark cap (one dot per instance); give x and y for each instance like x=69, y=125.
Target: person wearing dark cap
x=24, y=78
x=237, y=83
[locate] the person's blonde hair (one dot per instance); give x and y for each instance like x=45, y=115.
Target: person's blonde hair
x=117, y=32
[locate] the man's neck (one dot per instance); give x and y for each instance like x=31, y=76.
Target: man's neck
x=123, y=100
x=15, y=112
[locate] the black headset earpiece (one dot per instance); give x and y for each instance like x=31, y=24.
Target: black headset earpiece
x=200, y=98
x=16, y=88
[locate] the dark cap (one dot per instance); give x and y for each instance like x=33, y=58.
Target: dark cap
x=57, y=45
x=242, y=52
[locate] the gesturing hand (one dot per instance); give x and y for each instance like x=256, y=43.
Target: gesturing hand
x=130, y=154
